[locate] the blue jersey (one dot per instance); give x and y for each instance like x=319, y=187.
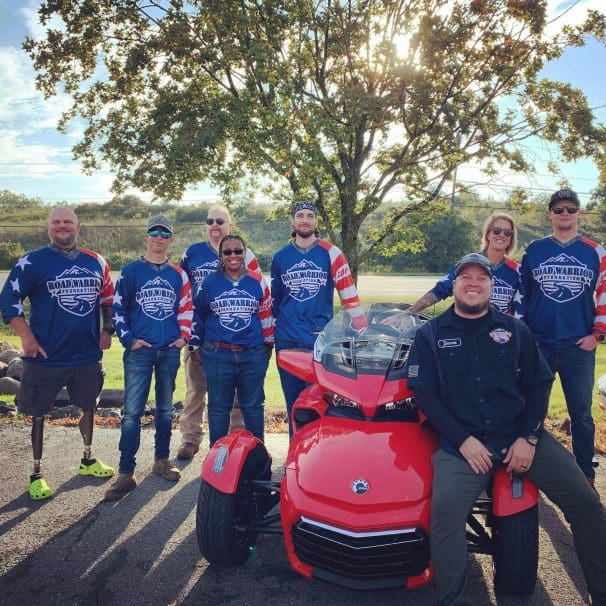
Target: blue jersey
x=505, y=297
x=302, y=288
x=237, y=312
x=560, y=283
x=65, y=295
x=201, y=259
x=152, y=304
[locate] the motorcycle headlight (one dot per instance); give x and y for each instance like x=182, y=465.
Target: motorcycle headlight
x=335, y=400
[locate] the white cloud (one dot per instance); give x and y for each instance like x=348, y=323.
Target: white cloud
x=569, y=12
x=21, y=104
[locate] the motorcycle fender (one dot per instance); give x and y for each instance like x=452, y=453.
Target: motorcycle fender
x=512, y=493
x=298, y=362
x=223, y=464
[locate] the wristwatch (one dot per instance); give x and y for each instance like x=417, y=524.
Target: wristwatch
x=110, y=331
x=600, y=337
x=532, y=439
x=192, y=347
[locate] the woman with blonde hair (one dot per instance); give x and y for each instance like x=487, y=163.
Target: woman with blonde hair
x=499, y=240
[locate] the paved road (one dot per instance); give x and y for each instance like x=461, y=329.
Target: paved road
x=77, y=550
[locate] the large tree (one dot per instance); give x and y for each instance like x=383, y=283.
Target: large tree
x=351, y=102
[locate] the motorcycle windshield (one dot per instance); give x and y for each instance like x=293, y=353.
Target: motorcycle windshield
x=381, y=348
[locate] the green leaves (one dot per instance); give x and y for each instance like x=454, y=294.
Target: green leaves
x=352, y=103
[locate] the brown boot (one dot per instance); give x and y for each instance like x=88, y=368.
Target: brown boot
x=124, y=483
x=187, y=450
x=165, y=469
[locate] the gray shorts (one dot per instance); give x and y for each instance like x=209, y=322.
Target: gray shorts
x=40, y=385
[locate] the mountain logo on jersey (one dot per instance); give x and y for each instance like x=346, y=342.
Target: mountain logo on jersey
x=157, y=299
x=502, y=294
x=76, y=290
x=304, y=280
x=235, y=309
x=200, y=272
x=562, y=278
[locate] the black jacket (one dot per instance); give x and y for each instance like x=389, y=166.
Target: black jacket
x=494, y=381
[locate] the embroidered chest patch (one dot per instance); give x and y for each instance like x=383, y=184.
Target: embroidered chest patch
x=500, y=335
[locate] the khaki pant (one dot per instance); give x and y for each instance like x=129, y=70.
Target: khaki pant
x=192, y=416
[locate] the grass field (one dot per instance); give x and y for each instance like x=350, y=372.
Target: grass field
x=112, y=361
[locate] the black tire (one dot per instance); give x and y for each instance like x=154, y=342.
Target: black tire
x=516, y=552
x=220, y=517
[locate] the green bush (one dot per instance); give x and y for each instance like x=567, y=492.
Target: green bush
x=118, y=259
x=9, y=253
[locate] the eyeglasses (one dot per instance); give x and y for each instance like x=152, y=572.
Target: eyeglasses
x=236, y=251
x=558, y=210
x=154, y=233
x=218, y=221
x=497, y=231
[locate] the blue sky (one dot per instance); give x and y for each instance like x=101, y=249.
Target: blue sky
x=36, y=160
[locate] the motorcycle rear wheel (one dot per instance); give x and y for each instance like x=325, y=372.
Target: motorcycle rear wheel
x=516, y=552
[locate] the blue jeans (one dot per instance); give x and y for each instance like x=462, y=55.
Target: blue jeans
x=576, y=368
x=229, y=371
x=291, y=386
x=139, y=366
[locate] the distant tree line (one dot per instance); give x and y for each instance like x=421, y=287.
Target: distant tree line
x=427, y=242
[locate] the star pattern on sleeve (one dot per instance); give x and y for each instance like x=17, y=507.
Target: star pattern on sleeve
x=518, y=297
x=117, y=299
x=19, y=307
x=117, y=319
x=22, y=262
x=15, y=285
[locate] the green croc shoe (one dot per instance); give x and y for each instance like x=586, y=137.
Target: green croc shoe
x=95, y=468
x=39, y=489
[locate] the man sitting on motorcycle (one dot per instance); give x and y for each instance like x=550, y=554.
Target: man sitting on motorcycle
x=479, y=378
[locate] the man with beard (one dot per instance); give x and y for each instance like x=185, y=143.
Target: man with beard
x=482, y=382
x=561, y=274
x=304, y=275
x=70, y=291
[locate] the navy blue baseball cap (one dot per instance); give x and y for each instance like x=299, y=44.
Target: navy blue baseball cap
x=473, y=259
x=563, y=194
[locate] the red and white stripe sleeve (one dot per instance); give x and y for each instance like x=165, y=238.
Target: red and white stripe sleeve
x=600, y=292
x=265, y=314
x=348, y=293
x=185, y=311
x=106, y=294
x=250, y=261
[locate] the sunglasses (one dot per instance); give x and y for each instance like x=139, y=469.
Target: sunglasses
x=236, y=251
x=154, y=233
x=217, y=221
x=558, y=210
x=502, y=230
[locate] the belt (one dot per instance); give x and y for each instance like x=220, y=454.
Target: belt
x=232, y=346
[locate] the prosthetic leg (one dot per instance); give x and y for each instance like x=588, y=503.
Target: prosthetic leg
x=88, y=465
x=38, y=487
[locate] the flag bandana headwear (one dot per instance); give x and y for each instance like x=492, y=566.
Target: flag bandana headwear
x=303, y=205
